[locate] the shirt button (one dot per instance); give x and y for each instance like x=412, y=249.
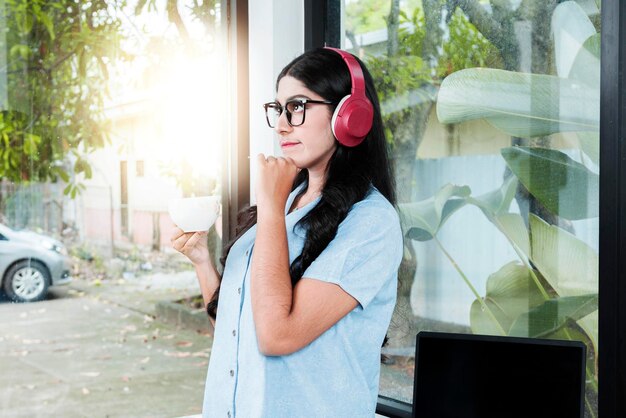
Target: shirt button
x=232, y=373
x=228, y=414
x=247, y=252
x=239, y=291
x=234, y=333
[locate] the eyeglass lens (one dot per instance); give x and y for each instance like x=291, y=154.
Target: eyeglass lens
x=294, y=109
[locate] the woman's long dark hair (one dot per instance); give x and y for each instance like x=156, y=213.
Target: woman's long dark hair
x=351, y=170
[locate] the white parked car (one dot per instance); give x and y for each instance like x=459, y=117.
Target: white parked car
x=30, y=263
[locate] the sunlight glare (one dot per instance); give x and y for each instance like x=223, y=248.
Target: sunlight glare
x=191, y=98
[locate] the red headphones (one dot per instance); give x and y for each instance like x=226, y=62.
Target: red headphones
x=353, y=116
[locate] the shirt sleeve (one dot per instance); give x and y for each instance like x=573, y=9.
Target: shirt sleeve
x=364, y=255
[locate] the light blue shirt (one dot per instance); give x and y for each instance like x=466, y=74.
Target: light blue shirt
x=336, y=375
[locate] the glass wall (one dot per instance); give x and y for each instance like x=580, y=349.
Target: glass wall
x=109, y=110
x=492, y=116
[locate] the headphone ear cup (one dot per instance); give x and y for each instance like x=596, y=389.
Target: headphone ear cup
x=352, y=120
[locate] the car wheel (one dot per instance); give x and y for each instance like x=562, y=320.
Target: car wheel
x=26, y=281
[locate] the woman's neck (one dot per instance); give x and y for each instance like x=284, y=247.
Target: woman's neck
x=314, y=186
x=315, y=183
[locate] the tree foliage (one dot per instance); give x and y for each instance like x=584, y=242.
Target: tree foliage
x=406, y=81
x=58, y=55
x=466, y=47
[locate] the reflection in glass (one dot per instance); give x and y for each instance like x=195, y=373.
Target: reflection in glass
x=492, y=114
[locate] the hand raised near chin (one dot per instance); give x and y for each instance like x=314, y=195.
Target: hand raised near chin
x=274, y=181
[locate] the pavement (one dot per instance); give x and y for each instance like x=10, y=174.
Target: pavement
x=97, y=350
x=105, y=349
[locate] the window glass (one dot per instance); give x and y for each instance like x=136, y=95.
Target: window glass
x=109, y=111
x=492, y=117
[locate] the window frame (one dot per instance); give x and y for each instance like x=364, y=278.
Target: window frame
x=236, y=174
x=612, y=236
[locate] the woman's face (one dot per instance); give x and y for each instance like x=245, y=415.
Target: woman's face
x=311, y=144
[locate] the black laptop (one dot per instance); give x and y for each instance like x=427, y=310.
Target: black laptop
x=479, y=376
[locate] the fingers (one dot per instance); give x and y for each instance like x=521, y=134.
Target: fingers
x=183, y=241
x=275, y=175
x=175, y=234
x=178, y=243
x=191, y=242
x=265, y=161
x=270, y=159
x=261, y=158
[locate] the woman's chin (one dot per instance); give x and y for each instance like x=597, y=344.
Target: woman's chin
x=297, y=161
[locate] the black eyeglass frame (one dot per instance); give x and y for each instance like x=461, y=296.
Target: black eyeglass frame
x=282, y=108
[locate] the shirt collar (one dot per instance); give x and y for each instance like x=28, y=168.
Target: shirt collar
x=303, y=209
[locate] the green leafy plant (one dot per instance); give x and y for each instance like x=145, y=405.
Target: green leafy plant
x=550, y=291
x=523, y=104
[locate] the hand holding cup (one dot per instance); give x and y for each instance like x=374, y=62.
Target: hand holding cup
x=192, y=245
x=193, y=217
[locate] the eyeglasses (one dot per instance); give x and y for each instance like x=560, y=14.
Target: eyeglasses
x=295, y=110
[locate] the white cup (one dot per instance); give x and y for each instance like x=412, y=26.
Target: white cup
x=193, y=214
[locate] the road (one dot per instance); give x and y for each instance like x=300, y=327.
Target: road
x=98, y=351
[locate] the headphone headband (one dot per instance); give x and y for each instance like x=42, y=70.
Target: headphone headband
x=356, y=72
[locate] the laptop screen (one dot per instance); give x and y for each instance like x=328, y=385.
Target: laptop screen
x=464, y=375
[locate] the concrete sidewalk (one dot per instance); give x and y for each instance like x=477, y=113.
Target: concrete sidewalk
x=101, y=351
x=97, y=351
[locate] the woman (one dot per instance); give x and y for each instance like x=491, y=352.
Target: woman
x=309, y=285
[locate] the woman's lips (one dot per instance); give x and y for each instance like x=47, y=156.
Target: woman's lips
x=288, y=144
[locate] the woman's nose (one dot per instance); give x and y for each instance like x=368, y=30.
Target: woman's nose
x=282, y=124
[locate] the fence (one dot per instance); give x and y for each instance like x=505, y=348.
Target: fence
x=35, y=206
